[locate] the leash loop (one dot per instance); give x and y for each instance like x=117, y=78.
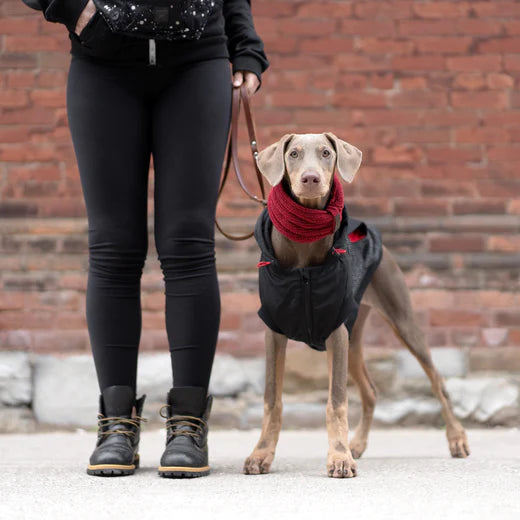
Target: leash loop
x=232, y=152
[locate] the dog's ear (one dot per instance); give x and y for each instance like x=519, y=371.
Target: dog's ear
x=348, y=157
x=271, y=162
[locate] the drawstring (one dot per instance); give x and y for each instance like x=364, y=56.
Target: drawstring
x=335, y=250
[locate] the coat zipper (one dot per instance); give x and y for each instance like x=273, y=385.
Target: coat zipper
x=307, y=304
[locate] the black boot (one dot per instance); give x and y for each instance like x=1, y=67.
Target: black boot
x=186, y=453
x=117, y=445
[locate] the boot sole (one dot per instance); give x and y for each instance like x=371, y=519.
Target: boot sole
x=183, y=471
x=113, y=470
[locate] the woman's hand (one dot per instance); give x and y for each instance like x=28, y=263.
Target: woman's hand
x=249, y=78
x=85, y=16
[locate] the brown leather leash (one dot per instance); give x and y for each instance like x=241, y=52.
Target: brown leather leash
x=232, y=152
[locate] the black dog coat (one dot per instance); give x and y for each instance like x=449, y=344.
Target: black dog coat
x=308, y=303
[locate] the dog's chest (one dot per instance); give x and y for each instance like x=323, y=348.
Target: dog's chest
x=296, y=255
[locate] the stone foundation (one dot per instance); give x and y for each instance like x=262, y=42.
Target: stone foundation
x=41, y=392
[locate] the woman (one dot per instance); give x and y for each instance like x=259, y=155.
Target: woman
x=129, y=96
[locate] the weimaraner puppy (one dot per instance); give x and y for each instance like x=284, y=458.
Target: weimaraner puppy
x=290, y=158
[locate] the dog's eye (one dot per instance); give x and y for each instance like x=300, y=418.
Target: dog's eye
x=325, y=153
x=294, y=154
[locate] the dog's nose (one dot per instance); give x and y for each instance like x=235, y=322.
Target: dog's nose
x=310, y=177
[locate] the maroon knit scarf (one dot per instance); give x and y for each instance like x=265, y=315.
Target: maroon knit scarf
x=302, y=224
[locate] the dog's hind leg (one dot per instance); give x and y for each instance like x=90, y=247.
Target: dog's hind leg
x=262, y=456
x=340, y=462
x=367, y=390
x=389, y=294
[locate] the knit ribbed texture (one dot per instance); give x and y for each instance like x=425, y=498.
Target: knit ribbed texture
x=301, y=224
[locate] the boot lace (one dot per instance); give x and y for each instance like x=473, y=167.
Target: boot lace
x=107, y=421
x=183, y=420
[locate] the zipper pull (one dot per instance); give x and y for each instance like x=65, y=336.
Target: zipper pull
x=152, y=54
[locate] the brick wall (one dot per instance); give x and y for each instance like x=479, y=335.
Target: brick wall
x=429, y=90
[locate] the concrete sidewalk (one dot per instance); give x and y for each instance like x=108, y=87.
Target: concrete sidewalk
x=403, y=474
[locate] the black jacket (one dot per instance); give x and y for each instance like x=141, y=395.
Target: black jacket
x=307, y=304
x=229, y=33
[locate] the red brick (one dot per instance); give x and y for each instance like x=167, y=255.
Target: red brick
x=52, y=78
x=381, y=80
x=443, y=44
x=317, y=10
x=504, y=243
x=360, y=98
x=32, y=43
x=441, y=154
x=455, y=318
x=514, y=207
x=440, y=117
x=478, y=27
x=500, y=45
x=13, y=98
x=486, y=99
x=426, y=62
x=381, y=9
x=426, y=27
x=412, y=83
x=484, y=63
x=512, y=27
x=49, y=97
x=503, y=153
x=439, y=9
x=385, y=46
x=297, y=99
x=355, y=62
x=497, y=80
x=272, y=8
x=447, y=188
x=496, y=9
x=514, y=336
x=20, y=78
x=480, y=134
x=326, y=46
x=498, y=188
x=479, y=207
x=511, y=62
x=302, y=27
x=507, y=318
x=456, y=243
x=381, y=28
x=428, y=135
x=421, y=207
x=469, y=81
x=397, y=155
x=417, y=98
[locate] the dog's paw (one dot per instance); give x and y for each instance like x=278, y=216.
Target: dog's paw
x=341, y=466
x=357, y=447
x=258, y=463
x=458, y=443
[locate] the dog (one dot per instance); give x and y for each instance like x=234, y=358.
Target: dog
x=305, y=164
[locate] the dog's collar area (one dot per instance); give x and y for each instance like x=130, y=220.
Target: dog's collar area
x=301, y=224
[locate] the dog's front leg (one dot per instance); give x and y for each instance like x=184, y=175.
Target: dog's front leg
x=340, y=462
x=262, y=456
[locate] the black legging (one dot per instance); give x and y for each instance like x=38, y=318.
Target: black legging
x=118, y=115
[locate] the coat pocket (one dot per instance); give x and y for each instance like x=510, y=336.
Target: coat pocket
x=89, y=30
x=97, y=39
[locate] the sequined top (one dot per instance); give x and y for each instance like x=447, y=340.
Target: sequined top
x=228, y=32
